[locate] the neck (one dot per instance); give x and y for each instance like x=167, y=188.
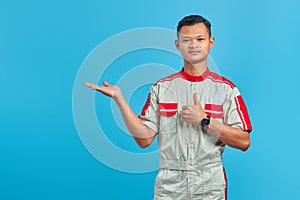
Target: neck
x=194, y=69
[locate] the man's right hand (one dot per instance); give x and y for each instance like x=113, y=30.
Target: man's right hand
x=141, y=133
x=112, y=91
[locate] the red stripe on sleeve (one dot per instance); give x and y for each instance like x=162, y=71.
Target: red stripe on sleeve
x=243, y=113
x=146, y=105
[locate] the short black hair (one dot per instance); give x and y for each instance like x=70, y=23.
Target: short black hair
x=194, y=19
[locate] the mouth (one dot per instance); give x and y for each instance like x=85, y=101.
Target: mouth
x=194, y=52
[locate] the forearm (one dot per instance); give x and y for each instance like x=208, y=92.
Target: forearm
x=230, y=136
x=141, y=133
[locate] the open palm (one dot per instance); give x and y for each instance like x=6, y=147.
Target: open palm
x=112, y=91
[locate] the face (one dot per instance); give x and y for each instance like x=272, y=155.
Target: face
x=194, y=43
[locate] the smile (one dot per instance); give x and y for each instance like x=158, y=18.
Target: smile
x=194, y=52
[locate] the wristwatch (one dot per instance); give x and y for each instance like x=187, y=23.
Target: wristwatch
x=205, y=121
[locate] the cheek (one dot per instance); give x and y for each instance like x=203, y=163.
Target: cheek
x=205, y=47
x=182, y=48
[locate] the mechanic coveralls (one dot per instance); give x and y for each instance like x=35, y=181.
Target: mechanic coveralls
x=191, y=157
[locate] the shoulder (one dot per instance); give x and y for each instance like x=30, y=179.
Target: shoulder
x=169, y=78
x=220, y=79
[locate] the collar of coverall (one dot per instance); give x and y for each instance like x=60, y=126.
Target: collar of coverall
x=193, y=78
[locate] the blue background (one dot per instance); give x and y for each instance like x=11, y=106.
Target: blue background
x=42, y=45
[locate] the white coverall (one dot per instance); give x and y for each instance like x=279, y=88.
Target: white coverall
x=191, y=157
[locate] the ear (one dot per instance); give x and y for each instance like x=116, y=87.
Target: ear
x=211, y=42
x=177, y=44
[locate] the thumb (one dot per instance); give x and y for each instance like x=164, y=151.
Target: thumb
x=105, y=83
x=196, y=102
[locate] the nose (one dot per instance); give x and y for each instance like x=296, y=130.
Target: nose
x=193, y=44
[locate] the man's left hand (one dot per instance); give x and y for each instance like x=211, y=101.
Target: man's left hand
x=192, y=114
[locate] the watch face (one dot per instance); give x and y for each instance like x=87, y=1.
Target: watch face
x=205, y=121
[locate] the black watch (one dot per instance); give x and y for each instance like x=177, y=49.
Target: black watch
x=205, y=121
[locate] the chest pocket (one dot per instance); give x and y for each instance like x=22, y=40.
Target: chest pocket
x=168, y=112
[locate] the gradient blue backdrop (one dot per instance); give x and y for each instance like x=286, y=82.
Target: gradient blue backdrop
x=42, y=45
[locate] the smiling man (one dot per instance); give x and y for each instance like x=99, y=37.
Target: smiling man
x=194, y=113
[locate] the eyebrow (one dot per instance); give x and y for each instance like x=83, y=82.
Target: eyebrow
x=188, y=37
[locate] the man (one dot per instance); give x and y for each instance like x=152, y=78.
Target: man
x=195, y=113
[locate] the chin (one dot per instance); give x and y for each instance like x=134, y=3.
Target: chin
x=195, y=61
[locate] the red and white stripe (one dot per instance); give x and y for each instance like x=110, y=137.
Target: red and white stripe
x=146, y=105
x=243, y=113
x=219, y=79
x=225, y=178
x=214, y=110
x=168, y=78
x=167, y=109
